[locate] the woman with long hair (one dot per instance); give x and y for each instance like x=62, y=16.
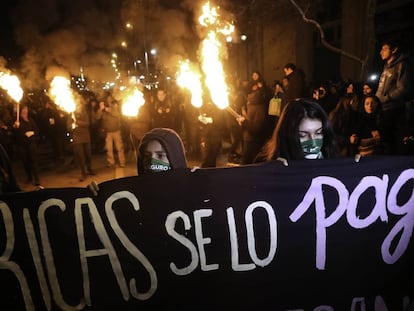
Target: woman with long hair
x=303, y=132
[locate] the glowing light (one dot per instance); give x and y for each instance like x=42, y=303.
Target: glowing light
x=373, y=77
x=189, y=78
x=11, y=84
x=132, y=101
x=62, y=95
x=212, y=52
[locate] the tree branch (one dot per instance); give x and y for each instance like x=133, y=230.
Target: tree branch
x=322, y=36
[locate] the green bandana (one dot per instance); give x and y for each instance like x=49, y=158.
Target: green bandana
x=312, y=148
x=158, y=166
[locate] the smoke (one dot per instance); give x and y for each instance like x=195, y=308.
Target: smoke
x=68, y=35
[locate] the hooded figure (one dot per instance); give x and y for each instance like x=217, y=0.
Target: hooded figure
x=173, y=148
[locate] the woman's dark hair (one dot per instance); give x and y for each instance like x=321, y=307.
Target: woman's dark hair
x=285, y=141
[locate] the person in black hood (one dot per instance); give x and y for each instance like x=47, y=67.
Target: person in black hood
x=161, y=149
x=394, y=90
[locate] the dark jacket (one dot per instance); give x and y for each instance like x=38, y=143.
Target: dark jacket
x=111, y=118
x=8, y=181
x=172, y=143
x=395, y=83
x=296, y=86
x=257, y=124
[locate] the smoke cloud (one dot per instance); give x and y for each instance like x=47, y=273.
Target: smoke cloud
x=63, y=36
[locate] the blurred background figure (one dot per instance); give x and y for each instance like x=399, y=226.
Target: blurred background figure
x=8, y=181
x=82, y=151
x=27, y=133
x=110, y=114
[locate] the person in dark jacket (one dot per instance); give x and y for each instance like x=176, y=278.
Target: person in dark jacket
x=296, y=82
x=78, y=124
x=255, y=122
x=212, y=127
x=394, y=89
x=8, y=181
x=161, y=149
x=27, y=133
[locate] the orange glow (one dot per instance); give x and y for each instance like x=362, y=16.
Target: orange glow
x=11, y=84
x=212, y=54
x=62, y=95
x=190, y=79
x=132, y=102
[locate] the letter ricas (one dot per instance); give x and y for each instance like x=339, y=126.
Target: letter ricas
x=48, y=254
x=129, y=246
x=6, y=264
x=405, y=223
x=315, y=194
x=170, y=227
x=107, y=250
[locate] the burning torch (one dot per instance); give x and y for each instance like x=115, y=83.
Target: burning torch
x=12, y=86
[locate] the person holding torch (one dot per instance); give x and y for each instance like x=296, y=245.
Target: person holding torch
x=78, y=123
x=27, y=131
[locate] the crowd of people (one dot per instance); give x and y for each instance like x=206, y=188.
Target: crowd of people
x=286, y=120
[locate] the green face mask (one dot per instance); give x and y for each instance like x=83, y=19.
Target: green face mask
x=312, y=148
x=158, y=166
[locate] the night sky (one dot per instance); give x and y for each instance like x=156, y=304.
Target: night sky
x=43, y=37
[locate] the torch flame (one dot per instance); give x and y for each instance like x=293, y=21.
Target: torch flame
x=132, y=103
x=190, y=79
x=62, y=95
x=213, y=69
x=209, y=15
x=11, y=84
x=212, y=51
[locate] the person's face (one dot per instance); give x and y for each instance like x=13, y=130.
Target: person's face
x=350, y=88
x=287, y=71
x=161, y=95
x=155, y=153
x=311, y=138
x=24, y=113
x=255, y=76
x=366, y=89
x=386, y=53
x=310, y=129
x=370, y=105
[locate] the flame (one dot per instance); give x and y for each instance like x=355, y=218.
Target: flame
x=132, y=103
x=190, y=79
x=62, y=95
x=212, y=52
x=209, y=15
x=11, y=84
x=211, y=18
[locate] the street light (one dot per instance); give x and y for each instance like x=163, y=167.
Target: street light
x=153, y=52
x=243, y=38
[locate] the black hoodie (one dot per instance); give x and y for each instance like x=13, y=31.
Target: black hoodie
x=172, y=144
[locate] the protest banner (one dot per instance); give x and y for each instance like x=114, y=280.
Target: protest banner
x=316, y=235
